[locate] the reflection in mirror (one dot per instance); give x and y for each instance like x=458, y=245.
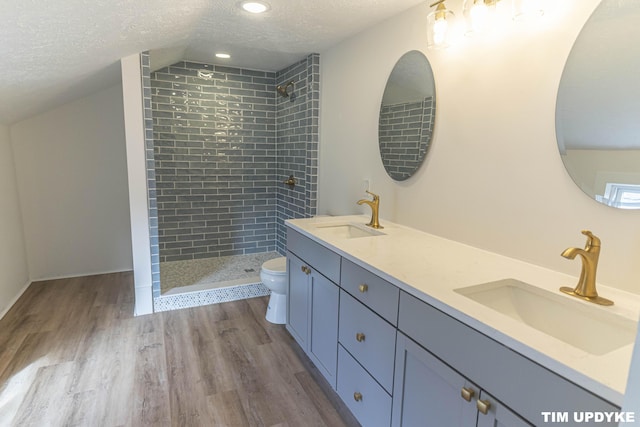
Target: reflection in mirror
x=407, y=115
x=598, y=108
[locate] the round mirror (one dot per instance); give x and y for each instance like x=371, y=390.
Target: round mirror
x=598, y=106
x=407, y=114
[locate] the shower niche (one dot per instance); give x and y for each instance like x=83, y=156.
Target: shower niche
x=220, y=143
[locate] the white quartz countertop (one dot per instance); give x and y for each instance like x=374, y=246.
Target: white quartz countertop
x=431, y=267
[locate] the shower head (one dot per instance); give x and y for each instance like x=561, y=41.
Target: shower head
x=282, y=89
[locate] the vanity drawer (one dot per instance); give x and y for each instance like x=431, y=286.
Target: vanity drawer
x=317, y=256
x=521, y=384
x=369, y=338
x=368, y=402
x=374, y=292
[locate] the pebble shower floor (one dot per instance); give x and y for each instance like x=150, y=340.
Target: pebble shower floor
x=206, y=281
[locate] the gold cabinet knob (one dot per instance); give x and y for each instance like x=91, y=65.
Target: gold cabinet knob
x=305, y=269
x=467, y=393
x=483, y=406
x=357, y=396
x=359, y=337
x=363, y=288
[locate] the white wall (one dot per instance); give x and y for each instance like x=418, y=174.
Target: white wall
x=13, y=258
x=494, y=177
x=72, y=180
x=137, y=178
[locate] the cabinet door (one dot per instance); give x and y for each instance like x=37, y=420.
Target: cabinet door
x=427, y=392
x=323, y=342
x=298, y=300
x=497, y=415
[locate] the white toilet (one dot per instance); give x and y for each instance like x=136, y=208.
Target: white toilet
x=274, y=276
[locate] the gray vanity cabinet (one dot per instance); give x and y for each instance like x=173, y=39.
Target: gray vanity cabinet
x=368, y=338
x=323, y=325
x=365, y=398
x=525, y=386
x=312, y=307
x=396, y=360
x=498, y=415
x=428, y=392
x=298, y=300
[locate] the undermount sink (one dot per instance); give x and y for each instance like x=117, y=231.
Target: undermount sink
x=591, y=329
x=347, y=231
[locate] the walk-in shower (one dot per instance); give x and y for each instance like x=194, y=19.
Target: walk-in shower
x=220, y=144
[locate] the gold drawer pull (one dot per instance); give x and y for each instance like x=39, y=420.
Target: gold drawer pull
x=483, y=406
x=305, y=269
x=363, y=288
x=357, y=396
x=359, y=337
x=467, y=393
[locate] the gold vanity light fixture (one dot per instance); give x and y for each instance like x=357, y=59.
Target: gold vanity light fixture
x=479, y=15
x=524, y=10
x=439, y=24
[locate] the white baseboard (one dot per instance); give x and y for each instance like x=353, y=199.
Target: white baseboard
x=15, y=299
x=44, y=279
x=24, y=288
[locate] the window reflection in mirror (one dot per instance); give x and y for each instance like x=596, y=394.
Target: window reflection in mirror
x=598, y=107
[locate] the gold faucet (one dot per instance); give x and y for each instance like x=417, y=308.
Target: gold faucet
x=586, y=288
x=375, y=205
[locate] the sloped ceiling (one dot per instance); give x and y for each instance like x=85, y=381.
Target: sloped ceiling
x=54, y=51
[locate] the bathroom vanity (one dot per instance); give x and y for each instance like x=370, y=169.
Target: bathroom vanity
x=405, y=326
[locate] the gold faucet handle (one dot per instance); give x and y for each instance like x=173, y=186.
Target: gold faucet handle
x=375, y=196
x=592, y=240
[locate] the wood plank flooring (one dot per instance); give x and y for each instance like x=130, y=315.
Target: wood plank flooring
x=72, y=354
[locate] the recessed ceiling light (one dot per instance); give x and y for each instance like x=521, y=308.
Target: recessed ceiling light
x=255, y=6
x=223, y=55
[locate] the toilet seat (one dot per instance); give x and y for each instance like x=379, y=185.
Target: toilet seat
x=276, y=266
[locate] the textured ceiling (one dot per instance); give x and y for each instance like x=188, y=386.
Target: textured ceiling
x=57, y=50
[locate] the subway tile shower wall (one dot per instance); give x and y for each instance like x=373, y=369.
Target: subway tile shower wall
x=297, y=142
x=214, y=134
x=405, y=133
x=145, y=72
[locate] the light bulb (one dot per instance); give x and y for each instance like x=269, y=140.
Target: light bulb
x=479, y=16
x=440, y=31
x=526, y=9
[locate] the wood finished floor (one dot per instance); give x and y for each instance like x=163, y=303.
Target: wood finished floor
x=72, y=354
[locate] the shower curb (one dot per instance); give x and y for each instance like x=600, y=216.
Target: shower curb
x=209, y=296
